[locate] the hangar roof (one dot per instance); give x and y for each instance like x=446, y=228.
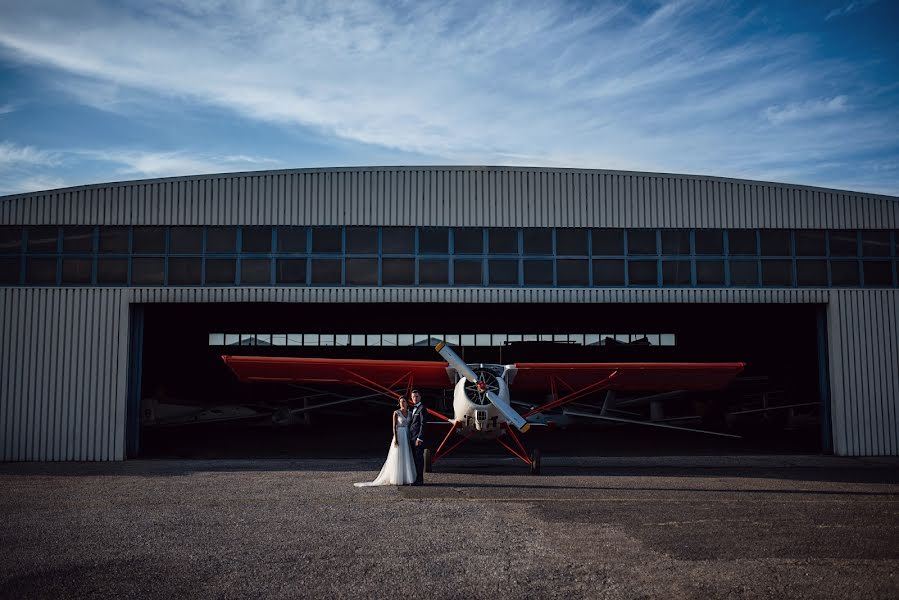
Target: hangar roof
x=455, y=196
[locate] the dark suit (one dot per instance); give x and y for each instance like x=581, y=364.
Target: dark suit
x=417, y=432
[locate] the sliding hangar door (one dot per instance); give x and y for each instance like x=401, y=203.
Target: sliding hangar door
x=119, y=301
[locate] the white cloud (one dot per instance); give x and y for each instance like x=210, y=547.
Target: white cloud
x=812, y=109
x=848, y=9
x=598, y=85
x=7, y=108
x=14, y=155
x=139, y=163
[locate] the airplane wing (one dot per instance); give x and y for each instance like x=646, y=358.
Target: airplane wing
x=626, y=376
x=340, y=371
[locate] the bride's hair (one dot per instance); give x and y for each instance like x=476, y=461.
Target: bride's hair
x=401, y=400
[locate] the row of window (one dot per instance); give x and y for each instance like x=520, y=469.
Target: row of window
x=189, y=240
x=385, y=271
x=419, y=339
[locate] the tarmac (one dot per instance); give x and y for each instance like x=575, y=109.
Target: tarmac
x=623, y=527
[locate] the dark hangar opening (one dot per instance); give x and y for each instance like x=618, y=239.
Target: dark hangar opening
x=191, y=405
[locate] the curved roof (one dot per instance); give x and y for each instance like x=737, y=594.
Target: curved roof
x=455, y=195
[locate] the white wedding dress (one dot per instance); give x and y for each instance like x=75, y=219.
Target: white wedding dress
x=399, y=468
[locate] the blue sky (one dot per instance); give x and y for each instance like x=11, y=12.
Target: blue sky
x=798, y=92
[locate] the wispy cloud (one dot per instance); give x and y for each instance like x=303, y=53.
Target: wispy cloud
x=14, y=155
x=798, y=111
x=7, y=108
x=678, y=86
x=848, y=9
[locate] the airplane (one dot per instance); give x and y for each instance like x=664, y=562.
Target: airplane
x=482, y=407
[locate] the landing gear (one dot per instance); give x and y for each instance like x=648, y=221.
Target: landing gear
x=535, y=462
x=428, y=462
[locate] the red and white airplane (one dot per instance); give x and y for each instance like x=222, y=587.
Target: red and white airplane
x=482, y=406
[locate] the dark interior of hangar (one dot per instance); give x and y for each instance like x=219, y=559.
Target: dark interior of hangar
x=774, y=406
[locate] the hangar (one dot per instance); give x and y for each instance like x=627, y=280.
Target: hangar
x=115, y=296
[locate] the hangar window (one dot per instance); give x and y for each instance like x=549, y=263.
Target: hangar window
x=538, y=272
x=291, y=271
x=572, y=272
x=468, y=272
x=148, y=240
x=43, y=238
x=10, y=239
x=710, y=272
x=641, y=241
x=255, y=271
x=433, y=240
x=361, y=240
x=326, y=271
x=775, y=242
x=221, y=271
x=113, y=240
x=537, y=241
x=78, y=238
x=398, y=240
x=292, y=239
x=503, y=272
x=777, y=273
x=185, y=271
x=608, y=273
x=40, y=270
x=607, y=242
x=361, y=271
x=327, y=240
x=642, y=272
x=186, y=240
x=811, y=242
x=398, y=271
x=744, y=273
x=843, y=243
x=433, y=272
x=709, y=241
x=844, y=273
x=876, y=243
x=676, y=241
x=502, y=241
x=676, y=272
x=147, y=271
x=878, y=273
x=9, y=270
x=256, y=239
x=572, y=242
x=468, y=240
x=742, y=242
x=221, y=239
x=112, y=271
x=811, y=273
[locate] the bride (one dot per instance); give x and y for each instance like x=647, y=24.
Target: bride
x=399, y=468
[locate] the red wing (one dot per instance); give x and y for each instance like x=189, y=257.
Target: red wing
x=631, y=376
x=339, y=371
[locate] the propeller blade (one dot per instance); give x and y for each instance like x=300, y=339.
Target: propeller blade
x=510, y=413
x=455, y=362
x=465, y=371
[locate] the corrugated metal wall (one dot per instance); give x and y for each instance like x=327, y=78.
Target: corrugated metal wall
x=863, y=339
x=490, y=196
x=64, y=352
x=64, y=373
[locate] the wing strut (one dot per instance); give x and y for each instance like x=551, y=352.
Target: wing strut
x=594, y=387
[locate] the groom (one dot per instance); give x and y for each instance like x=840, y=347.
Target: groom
x=417, y=435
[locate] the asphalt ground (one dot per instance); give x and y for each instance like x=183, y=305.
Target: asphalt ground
x=703, y=527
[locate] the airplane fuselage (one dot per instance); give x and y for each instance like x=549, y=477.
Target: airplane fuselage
x=471, y=409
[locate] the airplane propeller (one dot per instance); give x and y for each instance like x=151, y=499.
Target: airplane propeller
x=465, y=371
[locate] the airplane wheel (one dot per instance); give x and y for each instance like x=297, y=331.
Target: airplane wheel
x=428, y=465
x=535, y=462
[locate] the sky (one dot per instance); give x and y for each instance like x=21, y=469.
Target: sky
x=802, y=92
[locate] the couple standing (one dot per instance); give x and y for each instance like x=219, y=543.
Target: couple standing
x=405, y=459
